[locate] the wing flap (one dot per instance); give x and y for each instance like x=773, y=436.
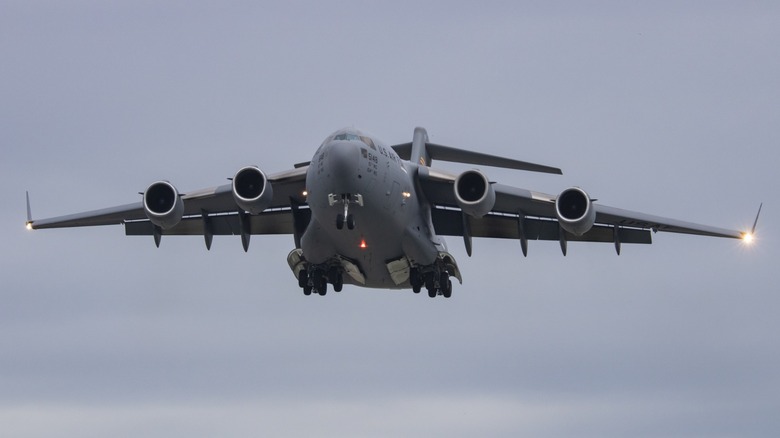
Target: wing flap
x=450, y=223
x=271, y=222
x=617, y=216
x=288, y=187
x=106, y=216
x=438, y=188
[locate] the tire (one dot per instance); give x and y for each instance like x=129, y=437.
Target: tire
x=414, y=280
x=351, y=222
x=340, y=221
x=429, y=281
x=303, y=278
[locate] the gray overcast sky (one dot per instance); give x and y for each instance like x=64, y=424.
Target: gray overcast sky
x=669, y=108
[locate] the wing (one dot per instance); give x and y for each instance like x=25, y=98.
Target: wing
x=526, y=215
x=207, y=212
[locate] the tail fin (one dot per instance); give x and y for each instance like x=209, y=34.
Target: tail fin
x=422, y=152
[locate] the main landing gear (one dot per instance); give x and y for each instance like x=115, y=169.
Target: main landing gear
x=316, y=279
x=436, y=281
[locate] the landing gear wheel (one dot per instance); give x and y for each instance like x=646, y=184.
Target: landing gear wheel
x=432, y=292
x=448, y=289
x=307, y=290
x=303, y=278
x=445, y=285
x=351, y=222
x=335, y=278
x=320, y=285
x=340, y=221
x=430, y=282
x=415, y=281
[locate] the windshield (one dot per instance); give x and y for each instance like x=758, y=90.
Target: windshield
x=354, y=137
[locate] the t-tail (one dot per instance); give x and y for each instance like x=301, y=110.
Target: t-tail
x=421, y=151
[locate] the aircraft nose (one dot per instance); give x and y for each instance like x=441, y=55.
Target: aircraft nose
x=343, y=158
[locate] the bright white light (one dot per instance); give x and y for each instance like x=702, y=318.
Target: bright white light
x=29, y=225
x=305, y=193
x=747, y=238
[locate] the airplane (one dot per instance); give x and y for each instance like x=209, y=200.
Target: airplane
x=369, y=215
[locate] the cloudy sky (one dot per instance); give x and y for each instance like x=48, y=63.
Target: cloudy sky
x=670, y=108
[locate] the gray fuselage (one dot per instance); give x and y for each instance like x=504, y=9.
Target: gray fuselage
x=390, y=219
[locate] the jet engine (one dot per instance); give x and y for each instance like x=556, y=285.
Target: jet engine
x=163, y=205
x=251, y=190
x=474, y=193
x=575, y=211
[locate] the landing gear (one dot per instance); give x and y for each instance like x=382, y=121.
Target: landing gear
x=346, y=199
x=445, y=284
x=336, y=278
x=316, y=280
x=340, y=221
x=415, y=280
x=436, y=281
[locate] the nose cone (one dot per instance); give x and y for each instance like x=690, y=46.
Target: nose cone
x=334, y=170
x=343, y=159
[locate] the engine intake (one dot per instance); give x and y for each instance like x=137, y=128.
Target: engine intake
x=251, y=190
x=575, y=211
x=163, y=205
x=474, y=193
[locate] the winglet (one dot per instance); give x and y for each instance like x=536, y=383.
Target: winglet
x=755, y=222
x=29, y=222
x=748, y=237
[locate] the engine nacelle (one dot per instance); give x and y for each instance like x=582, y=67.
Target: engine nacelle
x=251, y=190
x=575, y=211
x=474, y=193
x=163, y=205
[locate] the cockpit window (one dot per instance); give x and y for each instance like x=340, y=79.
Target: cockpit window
x=368, y=141
x=354, y=137
x=347, y=136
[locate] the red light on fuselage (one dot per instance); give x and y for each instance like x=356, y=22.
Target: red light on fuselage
x=362, y=243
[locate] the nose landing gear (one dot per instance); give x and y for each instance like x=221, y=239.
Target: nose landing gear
x=346, y=199
x=350, y=221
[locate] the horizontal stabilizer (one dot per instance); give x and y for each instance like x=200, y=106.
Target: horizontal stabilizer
x=454, y=155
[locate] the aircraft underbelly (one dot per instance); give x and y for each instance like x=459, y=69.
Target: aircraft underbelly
x=362, y=210
x=370, y=245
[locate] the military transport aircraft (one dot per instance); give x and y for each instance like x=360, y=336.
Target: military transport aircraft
x=366, y=214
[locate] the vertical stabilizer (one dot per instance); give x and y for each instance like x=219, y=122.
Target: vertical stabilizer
x=420, y=153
